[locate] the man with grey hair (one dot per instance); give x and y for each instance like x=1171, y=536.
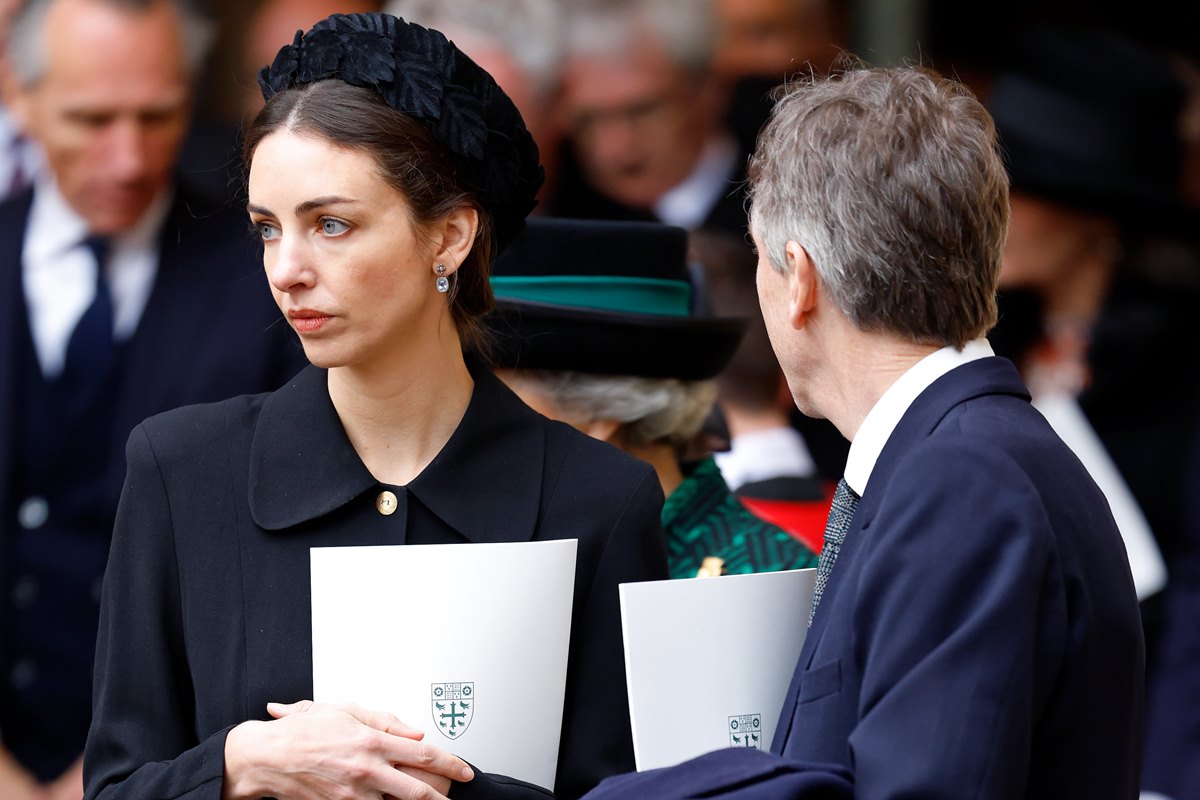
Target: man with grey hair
x=974, y=631
x=642, y=108
x=123, y=294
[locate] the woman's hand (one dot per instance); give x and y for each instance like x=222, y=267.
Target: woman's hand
x=15, y=782
x=69, y=785
x=315, y=751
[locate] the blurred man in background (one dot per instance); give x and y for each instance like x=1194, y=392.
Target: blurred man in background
x=643, y=110
x=124, y=293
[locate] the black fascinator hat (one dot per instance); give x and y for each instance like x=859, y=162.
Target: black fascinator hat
x=608, y=298
x=419, y=72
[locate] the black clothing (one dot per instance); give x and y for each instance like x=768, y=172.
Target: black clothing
x=206, y=613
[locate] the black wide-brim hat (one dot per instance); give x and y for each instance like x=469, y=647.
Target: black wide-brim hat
x=1091, y=121
x=609, y=298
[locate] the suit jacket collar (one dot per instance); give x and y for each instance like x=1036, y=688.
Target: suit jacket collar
x=986, y=376
x=302, y=465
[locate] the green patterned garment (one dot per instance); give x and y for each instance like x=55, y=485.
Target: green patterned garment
x=703, y=518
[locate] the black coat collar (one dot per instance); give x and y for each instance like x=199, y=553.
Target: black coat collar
x=302, y=465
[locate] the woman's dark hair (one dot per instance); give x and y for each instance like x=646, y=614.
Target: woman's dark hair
x=410, y=160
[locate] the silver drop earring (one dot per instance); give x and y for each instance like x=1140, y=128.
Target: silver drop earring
x=442, y=283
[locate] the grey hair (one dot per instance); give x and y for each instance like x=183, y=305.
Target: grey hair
x=650, y=410
x=529, y=31
x=686, y=29
x=27, y=51
x=892, y=182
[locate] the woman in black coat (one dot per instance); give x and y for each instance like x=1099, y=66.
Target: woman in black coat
x=385, y=170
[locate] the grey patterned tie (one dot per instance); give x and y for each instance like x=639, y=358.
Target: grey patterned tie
x=836, y=526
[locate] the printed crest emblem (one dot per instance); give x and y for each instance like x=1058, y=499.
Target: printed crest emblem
x=745, y=730
x=453, y=706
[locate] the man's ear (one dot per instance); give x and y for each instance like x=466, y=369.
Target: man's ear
x=804, y=284
x=456, y=234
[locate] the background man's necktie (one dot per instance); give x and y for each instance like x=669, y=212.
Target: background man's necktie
x=90, y=350
x=836, y=526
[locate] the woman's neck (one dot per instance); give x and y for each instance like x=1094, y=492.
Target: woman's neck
x=399, y=416
x=665, y=462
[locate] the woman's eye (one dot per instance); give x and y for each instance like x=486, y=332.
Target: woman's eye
x=333, y=227
x=266, y=231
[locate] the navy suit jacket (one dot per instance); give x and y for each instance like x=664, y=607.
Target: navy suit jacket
x=979, y=636
x=209, y=330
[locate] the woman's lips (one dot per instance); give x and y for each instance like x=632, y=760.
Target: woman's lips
x=307, y=321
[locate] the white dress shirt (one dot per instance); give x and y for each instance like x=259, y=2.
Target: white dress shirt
x=885, y=415
x=689, y=202
x=59, y=273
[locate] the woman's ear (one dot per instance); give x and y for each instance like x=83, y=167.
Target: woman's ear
x=454, y=237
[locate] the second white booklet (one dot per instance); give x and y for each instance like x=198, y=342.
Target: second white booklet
x=467, y=642
x=708, y=660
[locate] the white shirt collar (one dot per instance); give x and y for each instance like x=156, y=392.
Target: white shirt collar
x=688, y=203
x=885, y=415
x=55, y=227
x=765, y=454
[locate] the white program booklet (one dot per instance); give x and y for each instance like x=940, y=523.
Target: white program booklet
x=708, y=661
x=466, y=641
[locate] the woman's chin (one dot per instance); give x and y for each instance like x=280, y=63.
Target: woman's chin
x=323, y=357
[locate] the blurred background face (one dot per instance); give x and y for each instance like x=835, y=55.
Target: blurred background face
x=7, y=9
x=110, y=109
x=273, y=25
x=767, y=38
x=1047, y=243
x=639, y=122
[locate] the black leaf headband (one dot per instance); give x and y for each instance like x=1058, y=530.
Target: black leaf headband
x=419, y=72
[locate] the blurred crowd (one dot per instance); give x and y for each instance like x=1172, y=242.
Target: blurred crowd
x=645, y=111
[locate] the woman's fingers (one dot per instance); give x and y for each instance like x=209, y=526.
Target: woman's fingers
x=383, y=721
x=316, y=750
x=379, y=720
x=281, y=710
x=405, y=752
x=412, y=780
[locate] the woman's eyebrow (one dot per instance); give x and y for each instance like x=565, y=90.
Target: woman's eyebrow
x=306, y=206
x=319, y=202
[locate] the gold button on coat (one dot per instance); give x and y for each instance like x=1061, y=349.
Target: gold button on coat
x=386, y=503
